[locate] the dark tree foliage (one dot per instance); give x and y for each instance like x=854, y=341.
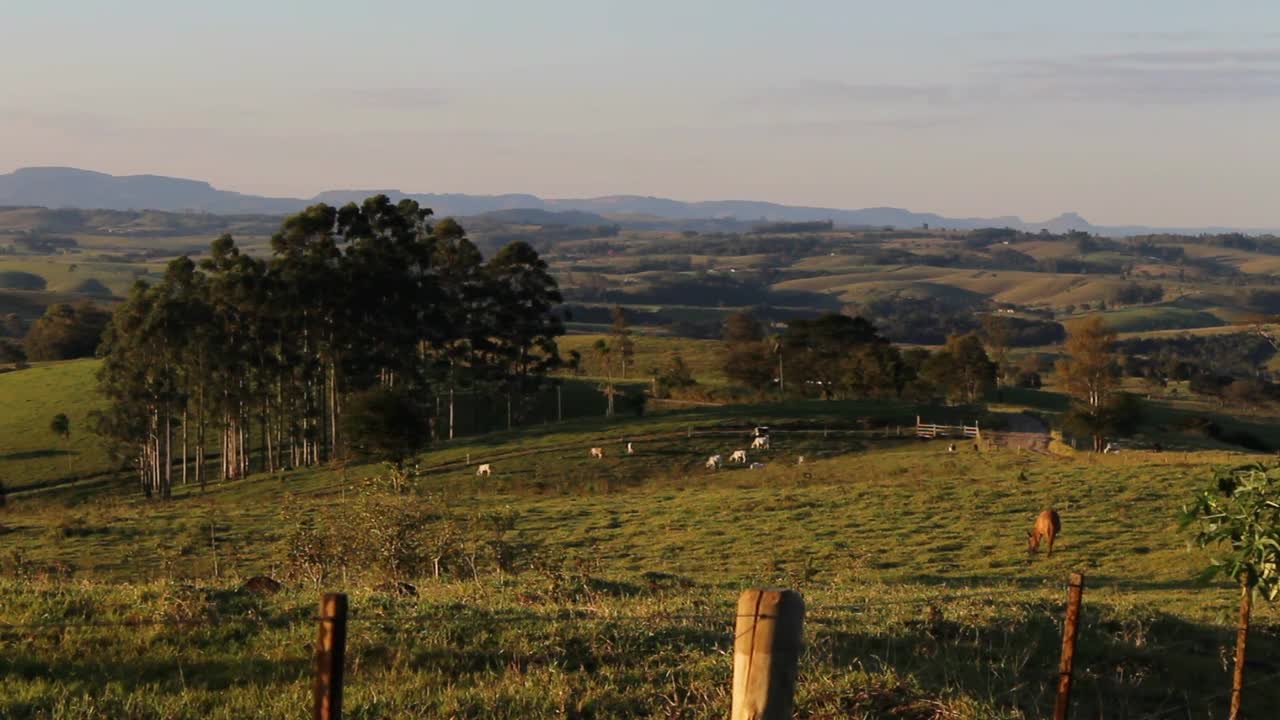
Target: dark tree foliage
x=66, y=331
x=1135, y=294
x=840, y=356
x=961, y=371
x=261, y=357
x=748, y=359
x=1118, y=417
x=11, y=353
x=1181, y=357
x=17, y=280
x=12, y=325
x=927, y=321
x=385, y=423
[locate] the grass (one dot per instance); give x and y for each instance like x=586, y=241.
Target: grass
x=1157, y=317
x=622, y=606
x=30, y=454
x=705, y=358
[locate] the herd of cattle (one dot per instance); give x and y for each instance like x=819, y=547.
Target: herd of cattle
x=759, y=441
x=1047, y=525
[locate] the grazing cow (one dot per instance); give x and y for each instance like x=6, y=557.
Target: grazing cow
x=714, y=462
x=1048, y=525
x=597, y=452
x=757, y=466
x=485, y=470
x=738, y=456
x=800, y=460
x=760, y=443
x=630, y=450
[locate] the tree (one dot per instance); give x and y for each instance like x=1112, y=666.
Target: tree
x=623, y=346
x=61, y=426
x=604, y=356
x=387, y=423
x=816, y=349
x=742, y=328
x=996, y=335
x=66, y=331
x=1091, y=374
x=673, y=375
x=1241, y=511
x=961, y=370
x=525, y=328
x=747, y=359
x=12, y=353
x=1118, y=418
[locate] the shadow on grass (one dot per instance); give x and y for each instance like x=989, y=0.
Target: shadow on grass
x=1141, y=666
x=33, y=454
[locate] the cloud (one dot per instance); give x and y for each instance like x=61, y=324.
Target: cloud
x=1167, y=76
x=1174, y=76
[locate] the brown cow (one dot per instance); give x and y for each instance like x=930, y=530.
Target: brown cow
x=1048, y=525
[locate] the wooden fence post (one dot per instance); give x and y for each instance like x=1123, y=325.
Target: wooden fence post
x=766, y=652
x=331, y=648
x=1069, y=630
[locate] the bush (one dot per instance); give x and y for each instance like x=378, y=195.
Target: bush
x=17, y=280
x=66, y=331
x=385, y=423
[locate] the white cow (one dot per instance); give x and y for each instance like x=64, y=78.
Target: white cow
x=757, y=466
x=597, y=452
x=485, y=470
x=800, y=460
x=714, y=462
x=630, y=450
x=738, y=456
x=760, y=443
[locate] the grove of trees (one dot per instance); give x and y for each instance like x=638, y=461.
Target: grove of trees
x=256, y=359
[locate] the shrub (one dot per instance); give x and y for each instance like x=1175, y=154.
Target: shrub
x=18, y=280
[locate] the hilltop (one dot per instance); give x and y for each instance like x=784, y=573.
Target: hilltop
x=63, y=187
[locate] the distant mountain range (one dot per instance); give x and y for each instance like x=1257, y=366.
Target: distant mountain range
x=57, y=187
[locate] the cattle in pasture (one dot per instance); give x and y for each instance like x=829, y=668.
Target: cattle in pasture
x=738, y=456
x=484, y=470
x=630, y=449
x=597, y=452
x=800, y=460
x=1047, y=527
x=714, y=462
x=760, y=443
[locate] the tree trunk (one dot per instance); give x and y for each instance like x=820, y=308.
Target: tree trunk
x=184, y=445
x=1242, y=634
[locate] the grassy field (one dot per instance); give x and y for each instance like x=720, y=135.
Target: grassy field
x=30, y=454
x=704, y=357
x=617, y=602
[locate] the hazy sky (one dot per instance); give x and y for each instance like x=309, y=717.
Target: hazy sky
x=1160, y=111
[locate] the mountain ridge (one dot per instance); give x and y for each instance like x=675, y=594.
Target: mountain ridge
x=68, y=187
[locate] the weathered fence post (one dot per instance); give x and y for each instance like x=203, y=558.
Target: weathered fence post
x=331, y=647
x=1069, y=630
x=766, y=652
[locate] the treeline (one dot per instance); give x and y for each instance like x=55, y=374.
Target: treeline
x=364, y=318
x=838, y=356
x=931, y=320
x=793, y=227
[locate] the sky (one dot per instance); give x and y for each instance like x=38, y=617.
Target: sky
x=1160, y=112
